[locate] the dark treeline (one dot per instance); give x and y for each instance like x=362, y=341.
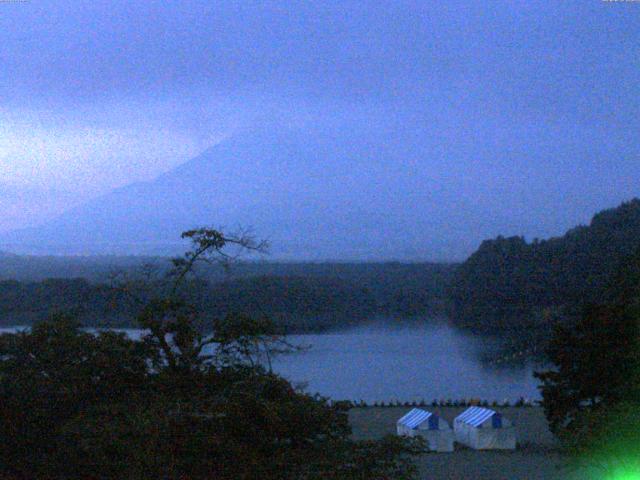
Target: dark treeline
x=507, y=286
x=298, y=297
x=99, y=269
x=510, y=285
x=27, y=268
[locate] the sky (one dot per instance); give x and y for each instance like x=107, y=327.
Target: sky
x=529, y=108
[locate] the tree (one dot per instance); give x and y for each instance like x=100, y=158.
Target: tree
x=502, y=285
x=241, y=339
x=592, y=395
x=606, y=440
x=51, y=375
x=179, y=403
x=596, y=363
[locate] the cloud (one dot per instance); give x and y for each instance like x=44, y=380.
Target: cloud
x=93, y=150
x=519, y=106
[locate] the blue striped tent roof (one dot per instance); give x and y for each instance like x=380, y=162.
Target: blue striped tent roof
x=475, y=416
x=415, y=417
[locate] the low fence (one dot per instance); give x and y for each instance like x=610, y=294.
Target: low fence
x=471, y=402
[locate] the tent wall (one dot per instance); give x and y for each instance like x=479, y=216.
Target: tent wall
x=441, y=425
x=438, y=436
x=485, y=438
x=484, y=429
x=495, y=439
x=405, y=431
x=463, y=434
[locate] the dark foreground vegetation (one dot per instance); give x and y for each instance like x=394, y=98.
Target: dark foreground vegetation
x=74, y=405
x=78, y=405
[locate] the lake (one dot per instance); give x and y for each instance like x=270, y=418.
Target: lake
x=422, y=361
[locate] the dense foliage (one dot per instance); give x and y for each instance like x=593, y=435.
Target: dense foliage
x=175, y=404
x=596, y=361
x=77, y=405
x=511, y=285
x=591, y=396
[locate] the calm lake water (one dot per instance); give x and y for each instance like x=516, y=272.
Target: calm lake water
x=423, y=361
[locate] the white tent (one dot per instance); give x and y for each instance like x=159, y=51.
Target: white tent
x=436, y=431
x=484, y=429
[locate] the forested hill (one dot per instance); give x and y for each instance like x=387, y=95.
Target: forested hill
x=297, y=296
x=509, y=283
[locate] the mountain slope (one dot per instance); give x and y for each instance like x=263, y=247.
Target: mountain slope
x=314, y=195
x=28, y=205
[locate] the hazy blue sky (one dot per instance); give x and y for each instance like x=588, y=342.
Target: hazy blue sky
x=534, y=105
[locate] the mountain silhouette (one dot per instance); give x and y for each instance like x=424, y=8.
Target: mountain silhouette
x=312, y=194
